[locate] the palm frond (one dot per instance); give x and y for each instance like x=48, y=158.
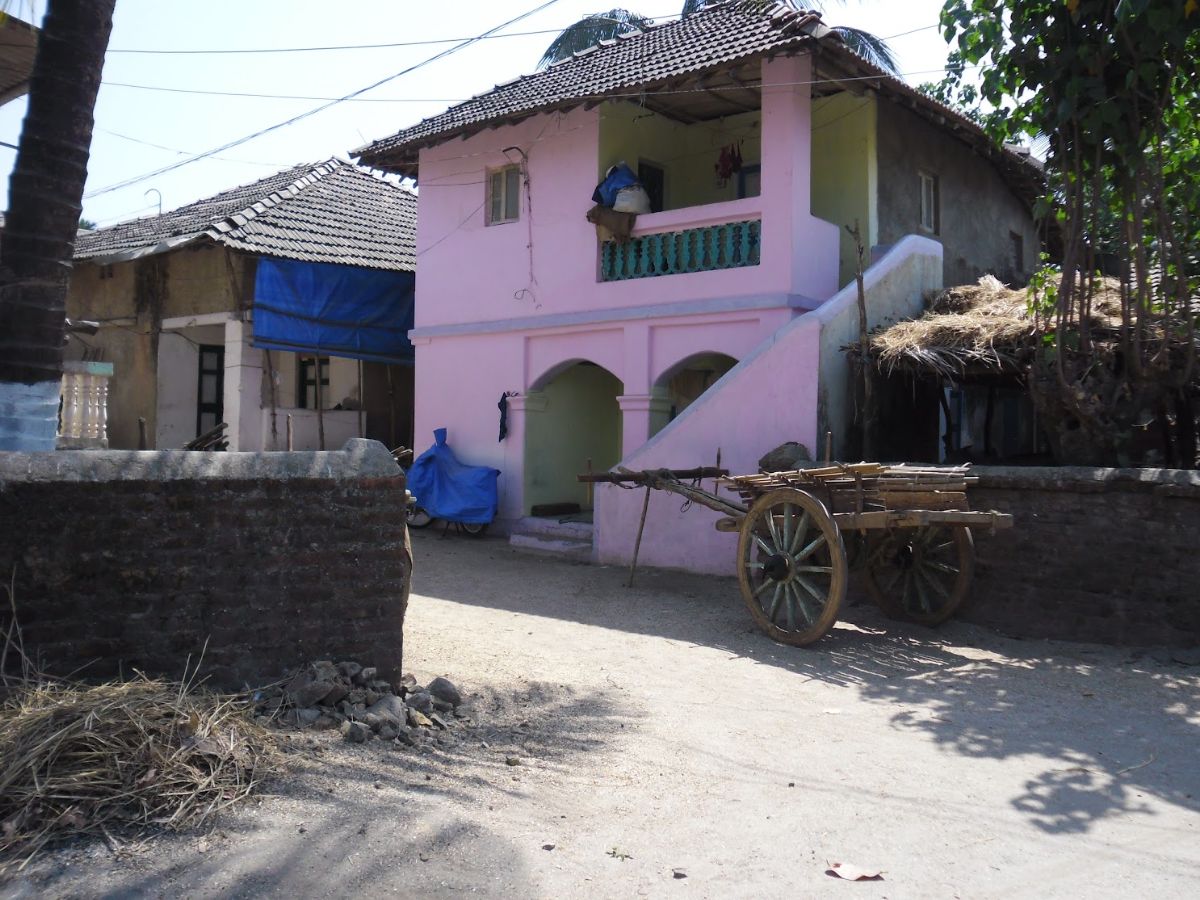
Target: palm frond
x=870, y=47
x=590, y=31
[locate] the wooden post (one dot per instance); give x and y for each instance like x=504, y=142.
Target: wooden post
x=361, y=433
x=274, y=403
x=141, y=433
x=290, y=436
x=391, y=408
x=320, y=405
x=637, y=545
x=828, y=447
x=866, y=413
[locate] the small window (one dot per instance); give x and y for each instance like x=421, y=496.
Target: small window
x=306, y=384
x=1018, y=252
x=504, y=195
x=930, y=203
x=654, y=179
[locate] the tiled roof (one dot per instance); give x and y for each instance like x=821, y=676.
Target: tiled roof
x=330, y=212
x=711, y=38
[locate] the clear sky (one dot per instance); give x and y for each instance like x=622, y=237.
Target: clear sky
x=131, y=119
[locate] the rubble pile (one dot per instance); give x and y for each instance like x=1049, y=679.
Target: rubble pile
x=353, y=699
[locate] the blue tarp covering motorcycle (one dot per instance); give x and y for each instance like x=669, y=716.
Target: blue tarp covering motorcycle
x=444, y=488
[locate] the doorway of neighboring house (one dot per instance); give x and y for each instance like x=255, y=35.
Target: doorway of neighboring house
x=581, y=424
x=682, y=384
x=210, y=405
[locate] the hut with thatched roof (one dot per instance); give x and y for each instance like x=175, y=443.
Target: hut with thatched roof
x=954, y=384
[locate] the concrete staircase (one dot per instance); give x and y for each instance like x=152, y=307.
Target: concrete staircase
x=566, y=540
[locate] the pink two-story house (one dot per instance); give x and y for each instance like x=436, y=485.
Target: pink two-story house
x=718, y=327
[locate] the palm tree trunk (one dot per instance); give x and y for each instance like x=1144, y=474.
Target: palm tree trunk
x=45, y=191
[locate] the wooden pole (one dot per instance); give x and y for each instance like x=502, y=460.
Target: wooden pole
x=141, y=433
x=637, y=545
x=320, y=405
x=290, y=434
x=361, y=433
x=828, y=447
x=391, y=408
x=274, y=403
x=866, y=413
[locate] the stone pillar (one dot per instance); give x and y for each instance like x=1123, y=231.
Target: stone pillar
x=520, y=408
x=638, y=412
x=243, y=388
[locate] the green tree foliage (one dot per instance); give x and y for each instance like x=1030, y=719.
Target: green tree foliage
x=1114, y=86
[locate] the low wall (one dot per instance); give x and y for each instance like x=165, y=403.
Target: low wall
x=1104, y=555
x=127, y=559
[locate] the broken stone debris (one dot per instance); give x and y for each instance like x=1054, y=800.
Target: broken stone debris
x=352, y=698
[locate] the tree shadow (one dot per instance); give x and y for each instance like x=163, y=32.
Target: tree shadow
x=1115, y=726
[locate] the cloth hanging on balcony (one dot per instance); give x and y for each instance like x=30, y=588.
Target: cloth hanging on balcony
x=333, y=310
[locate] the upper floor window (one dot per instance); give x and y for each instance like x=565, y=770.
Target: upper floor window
x=930, y=203
x=504, y=195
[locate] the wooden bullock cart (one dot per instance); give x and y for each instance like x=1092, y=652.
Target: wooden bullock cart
x=799, y=533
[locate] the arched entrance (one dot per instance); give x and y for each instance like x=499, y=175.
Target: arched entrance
x=682, y=384
x=577, y=421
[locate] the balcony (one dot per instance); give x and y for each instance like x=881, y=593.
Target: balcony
x=694, y=239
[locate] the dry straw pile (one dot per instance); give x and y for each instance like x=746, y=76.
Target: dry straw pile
x=92, y=759
x=983, y=327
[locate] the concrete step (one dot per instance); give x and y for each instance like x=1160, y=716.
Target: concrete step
x=563, y=548
x=553, y=528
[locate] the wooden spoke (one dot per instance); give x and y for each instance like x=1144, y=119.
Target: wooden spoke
x=791, y=551
x=933, y=574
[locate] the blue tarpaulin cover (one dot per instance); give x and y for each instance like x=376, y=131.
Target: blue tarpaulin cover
x=447, y=489
x=334, y=310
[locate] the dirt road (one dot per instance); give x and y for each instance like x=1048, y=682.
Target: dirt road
x=655, y=734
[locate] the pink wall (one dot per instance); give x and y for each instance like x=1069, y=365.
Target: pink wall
x=771, y=396
x=499, y=307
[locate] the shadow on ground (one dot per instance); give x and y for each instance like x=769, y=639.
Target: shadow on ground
x=1116, y=724
x=347, y=819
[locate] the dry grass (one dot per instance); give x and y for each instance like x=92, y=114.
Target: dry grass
x=92, y=759
x=978, y=326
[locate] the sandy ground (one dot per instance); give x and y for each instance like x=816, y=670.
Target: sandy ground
x=654, y=730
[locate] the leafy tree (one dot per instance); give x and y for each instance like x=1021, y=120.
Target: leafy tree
x=1114, y=86
x=590, y=30
x=43, y=214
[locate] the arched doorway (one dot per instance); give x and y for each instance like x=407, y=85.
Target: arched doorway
x=682, y=384
x=578, y=421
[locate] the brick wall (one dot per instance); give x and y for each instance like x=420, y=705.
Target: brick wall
x=1105, y=555
x=133, y=560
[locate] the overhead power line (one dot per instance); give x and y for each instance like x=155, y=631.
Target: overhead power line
x=324, y=106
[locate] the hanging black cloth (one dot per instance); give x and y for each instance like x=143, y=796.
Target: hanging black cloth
x=503, y=405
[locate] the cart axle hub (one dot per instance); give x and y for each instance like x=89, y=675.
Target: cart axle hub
x=778, y=567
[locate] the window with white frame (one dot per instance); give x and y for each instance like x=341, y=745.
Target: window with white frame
x=504, y=195
x=930, y=203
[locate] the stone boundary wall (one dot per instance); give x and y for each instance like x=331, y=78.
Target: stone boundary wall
x=1103, y=555
x=136, y=559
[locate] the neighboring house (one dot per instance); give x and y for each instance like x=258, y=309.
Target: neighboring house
x=718, y=328
x=18, y=48
x=233, y=308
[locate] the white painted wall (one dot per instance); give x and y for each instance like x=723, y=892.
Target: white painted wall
x=178, y=382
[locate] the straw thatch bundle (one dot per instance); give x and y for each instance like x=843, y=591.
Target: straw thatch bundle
x=84, y=759
x=978, y=328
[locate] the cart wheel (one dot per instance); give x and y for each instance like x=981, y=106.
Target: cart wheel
x=792, y=566
x=417, y=517
x=474, y=529
x=922, y=574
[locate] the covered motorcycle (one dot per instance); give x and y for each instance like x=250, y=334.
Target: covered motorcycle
x=450, y=490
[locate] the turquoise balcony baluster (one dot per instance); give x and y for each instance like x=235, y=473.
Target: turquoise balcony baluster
x=730, y=245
